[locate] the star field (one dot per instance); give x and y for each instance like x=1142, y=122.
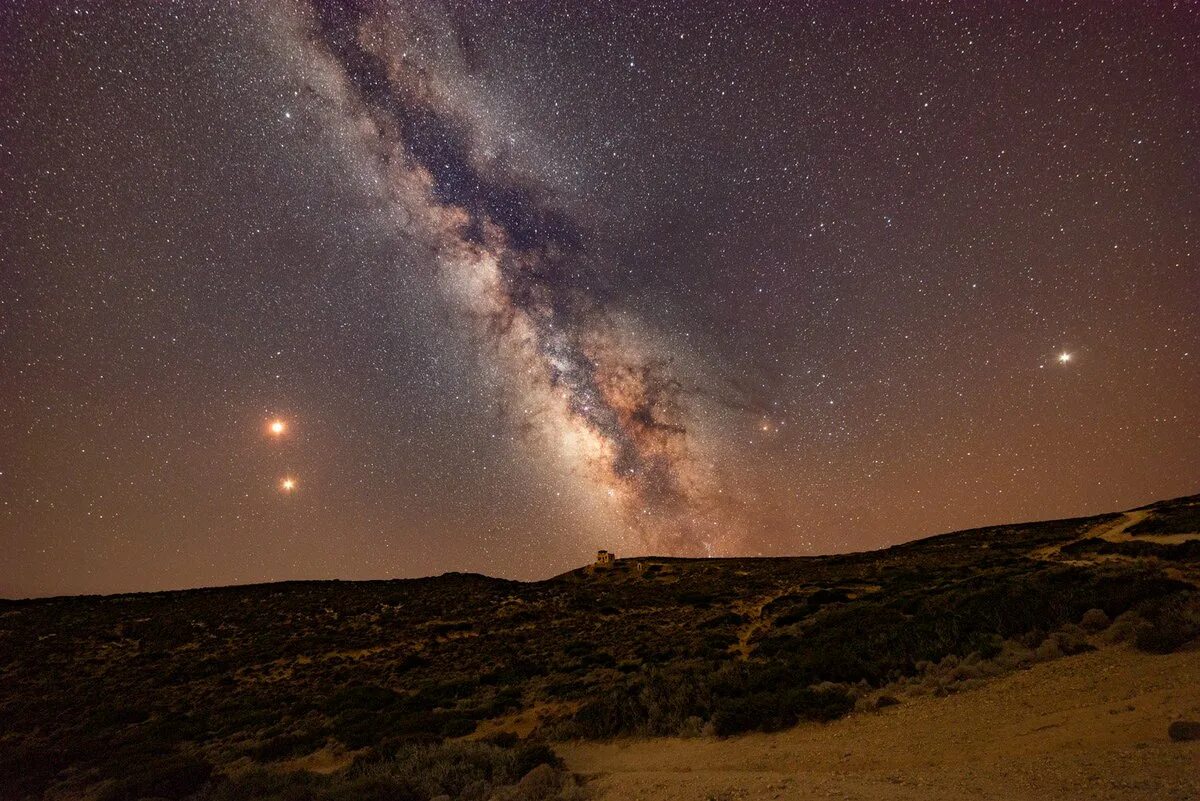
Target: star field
x=523, y=281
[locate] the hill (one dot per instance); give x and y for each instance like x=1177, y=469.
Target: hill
x=461, y=684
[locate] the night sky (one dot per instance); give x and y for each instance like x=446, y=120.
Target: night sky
x=523, y=280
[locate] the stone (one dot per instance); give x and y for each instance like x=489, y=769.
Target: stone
x=1183, y=730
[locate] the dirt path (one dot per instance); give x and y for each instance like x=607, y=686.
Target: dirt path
x=755, y=621
x=1118, y=530
x=1091, y=726
x=1115, y=529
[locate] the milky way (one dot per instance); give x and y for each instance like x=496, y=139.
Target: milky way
x=522, y=269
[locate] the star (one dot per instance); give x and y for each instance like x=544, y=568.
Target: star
x=277, y=427
x=1064, y=357
x=288, y=484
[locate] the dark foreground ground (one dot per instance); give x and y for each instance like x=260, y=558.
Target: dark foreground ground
x=461, y=685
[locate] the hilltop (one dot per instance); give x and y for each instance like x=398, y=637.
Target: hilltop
x=464, y=684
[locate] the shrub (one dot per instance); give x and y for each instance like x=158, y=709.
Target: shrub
x=699, y=600
x=598, y=659
x=824, y=597
x=502, y=739
x=653, y=702
x=119, y=714
x=1189, y=550
x=173, y=776
x=794, y=615
x=528, y=756
x=1125, y=628
x=1178, y=520
x=767, y=711
x=726, y=619
x=1095, y=620
x=415, y=773
x=457, y=727
x=286, y=745
x=1174, y=622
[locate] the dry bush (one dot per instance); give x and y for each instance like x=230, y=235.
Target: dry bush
x=1173, y=623
x=460, y=771
x=1094, y=620
x=1125, y=628
x=952, y=674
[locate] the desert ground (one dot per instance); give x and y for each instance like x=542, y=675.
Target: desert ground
x=1089, y=726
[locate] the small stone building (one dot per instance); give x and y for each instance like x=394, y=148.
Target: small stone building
x=605, y=559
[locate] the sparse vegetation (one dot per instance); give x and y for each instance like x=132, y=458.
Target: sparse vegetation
x=1172, y=622
x=1182, y=551
x=461, y=771
x=229, y=693
x=1176, y=518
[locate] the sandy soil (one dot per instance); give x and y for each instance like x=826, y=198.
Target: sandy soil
x=1092, y=726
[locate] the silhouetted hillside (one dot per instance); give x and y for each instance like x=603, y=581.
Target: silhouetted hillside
x=180, y=694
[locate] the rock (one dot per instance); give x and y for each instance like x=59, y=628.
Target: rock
x=1182, y=730
x=885, y=701
x=540, y=783
x=1094, y=620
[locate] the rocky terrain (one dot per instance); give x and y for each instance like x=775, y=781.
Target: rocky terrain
x=473, y=687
